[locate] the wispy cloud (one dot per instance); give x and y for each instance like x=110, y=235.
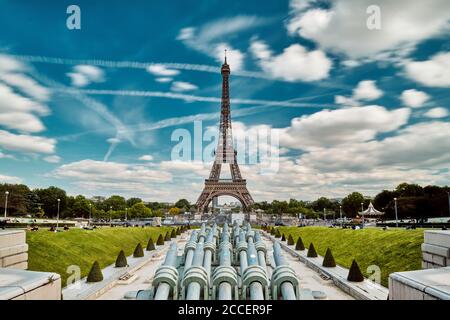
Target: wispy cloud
x=191, y=98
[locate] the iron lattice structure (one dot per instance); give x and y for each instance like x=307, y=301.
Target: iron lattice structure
x=225, y=154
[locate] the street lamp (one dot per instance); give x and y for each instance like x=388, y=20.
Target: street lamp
x=396, y=216
x=325, y=214
x=6, y=202
x=340, y=213
x=57, y=216
x=362, y=213
x=448, y=194
x=90, y=213
x=110, y=216
x=126, y=214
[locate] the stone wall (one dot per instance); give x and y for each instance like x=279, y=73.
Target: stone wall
x=13, y=249
x=436, y=249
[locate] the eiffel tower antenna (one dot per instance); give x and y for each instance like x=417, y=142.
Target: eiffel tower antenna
x=225, y=154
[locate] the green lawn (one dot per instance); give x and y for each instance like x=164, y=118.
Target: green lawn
x=391, y=250
x=54, y=252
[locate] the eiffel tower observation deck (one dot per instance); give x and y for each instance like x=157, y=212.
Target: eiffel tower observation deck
x=225, y=155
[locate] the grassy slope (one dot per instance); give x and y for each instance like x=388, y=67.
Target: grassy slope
x=49, y=251
x=391, y=250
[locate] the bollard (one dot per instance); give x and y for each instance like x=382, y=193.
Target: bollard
x=166, y=277
x=284, y=279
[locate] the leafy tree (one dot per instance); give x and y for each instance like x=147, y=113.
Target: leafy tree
x=279, y=207
x=132, y=201
x=18, y=198
x=49, y=203
x=116, y=202
x=139, y=210
x=382, y=200
x=80, y=207
x=409, y=190
x=351, y=204
x=174, y=211
x=183, y=204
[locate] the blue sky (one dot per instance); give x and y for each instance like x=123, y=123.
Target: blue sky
x=93, y=110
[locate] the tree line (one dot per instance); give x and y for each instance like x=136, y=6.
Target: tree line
x=413, y=201
x=44, y=203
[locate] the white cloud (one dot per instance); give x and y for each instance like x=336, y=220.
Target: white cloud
x=26, y=85
x=163, y=79
x=112, y=176
x=342, y=126
x=22, y=121
x=295, y=63
x=186, y=33
x=435, y=113
x=367, y=90
x=342, y=27
x=9, y=179
x=414, y=147
x=161, y=70
x=113, y=140
x=431, y=73
x=414, y=98
x=235, y=58
x=26, y=143
x=83, y=75
x=52, y=159
x=213, y=37
x=181, y=86
x=146, y=157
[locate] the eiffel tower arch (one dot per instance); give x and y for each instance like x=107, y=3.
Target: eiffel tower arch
x=225, y=154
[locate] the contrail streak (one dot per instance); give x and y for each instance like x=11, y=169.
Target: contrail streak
x=190, y=98
x=136, y=65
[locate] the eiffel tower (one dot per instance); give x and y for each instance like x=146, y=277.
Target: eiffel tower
x=225, y=154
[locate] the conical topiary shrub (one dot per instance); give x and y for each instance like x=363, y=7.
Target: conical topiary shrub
x=299, y=245
x=277, y=234
x=355, y=274
x=311, y=251
x=95, y=274
x=283, y=238
x=167, y=237
x=150, y=245
x=160, y=240
x=290, y=240
x=189, y=227
x=173, y=234
x=272, y=231
x=138, y=252
x=121, y=260
x=178, y=231
x=328, y=260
